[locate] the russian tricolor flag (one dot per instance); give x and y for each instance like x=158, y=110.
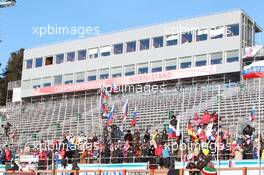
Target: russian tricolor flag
x=134, y=118
x=254, y=70
x=171, y=132
x=252, y=116
x=110, y=116
x=125, y=111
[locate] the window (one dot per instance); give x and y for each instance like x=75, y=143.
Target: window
x=36, y=83
x=216, y=58
x=26, y=84
x=93, y=53
x=186, y=62
x=59, y=58
x=104, y=74
x=172, y=40
x=82, y=55
x=186, y=37
x=144, y=44
x=129, y=70
x=68, y=79
x=91, y=75
x=116, y=72
x=217, y=32
x=200, y=60
x=201, y=35
x=171, y=64
x=57, y=79
x=158, y=42
x=143, y=68
x=70, y=56
x=29, y=64
x=105, y=51
x=118, y=48
x=232, y=56
x=131, y=46
x=79, y=77
x=38, y=62
x=232, y=30
x=49, y=60
x=46, y=82
x=156, y=66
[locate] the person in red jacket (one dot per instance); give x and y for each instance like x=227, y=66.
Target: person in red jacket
x=158, y=153
x=206, y=118
x=42, y=160
x=8, y=155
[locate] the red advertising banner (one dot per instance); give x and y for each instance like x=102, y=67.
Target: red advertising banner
x=136, y=79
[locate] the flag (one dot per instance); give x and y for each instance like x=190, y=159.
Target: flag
x=171, y=132
x=191, y=131
x=104, y=100
x=125, y=111
x=252, y=116
x=114, y=88
x=110, y=116
x=134, y=118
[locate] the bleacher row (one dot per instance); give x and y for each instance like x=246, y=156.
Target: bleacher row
x=50, y=118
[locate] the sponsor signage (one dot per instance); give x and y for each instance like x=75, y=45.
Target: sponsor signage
x=136, y=79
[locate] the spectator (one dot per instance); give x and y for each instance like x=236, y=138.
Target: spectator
x=128, y=136
x=146, y=138
x=76, y=168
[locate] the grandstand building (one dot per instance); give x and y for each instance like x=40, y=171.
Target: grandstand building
x=205, y=55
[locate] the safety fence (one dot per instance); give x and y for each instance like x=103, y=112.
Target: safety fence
x=220, y=171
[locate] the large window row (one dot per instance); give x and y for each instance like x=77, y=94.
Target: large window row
x=141, y=68
x=132, y=46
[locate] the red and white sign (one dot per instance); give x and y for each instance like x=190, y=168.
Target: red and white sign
x=136, y=79
x=252, y=51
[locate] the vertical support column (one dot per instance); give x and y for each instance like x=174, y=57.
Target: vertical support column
x=244, y=171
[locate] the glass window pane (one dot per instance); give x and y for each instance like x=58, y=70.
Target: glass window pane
x=216, y=58
x=81, y=54
x=116, y=72
x=185, y=62
x=144, y=44
x=46, y=81
x=201, y=35
x=129, y=70
x=118, y=48
x=156, y=66
x=217, y=32
x=91, y=75
x=187, y=37
x=171, y=64
x=38, y=62
x=59, y=58
x=158, y=42
x=105, y=51
x=200, y=60
x=131, y=46
x=143, y=68
x=104, y=74
x=68, y=79
x=232, y=30
x=93, y=53
x=172, y=40
x=232, y=56
x=57, y=79
x=29, y=64
x=36, y=83
x=79, y=77
x=70, y=56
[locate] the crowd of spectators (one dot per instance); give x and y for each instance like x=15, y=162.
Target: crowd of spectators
x=208, y=140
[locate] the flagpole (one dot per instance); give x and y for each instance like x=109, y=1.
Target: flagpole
x=259, y=137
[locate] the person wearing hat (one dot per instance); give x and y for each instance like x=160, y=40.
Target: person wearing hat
x=209, y=169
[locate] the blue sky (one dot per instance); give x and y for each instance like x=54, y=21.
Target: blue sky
x=16, y=23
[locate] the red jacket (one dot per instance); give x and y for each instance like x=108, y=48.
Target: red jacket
x=8, y=155
x=206, y=118
x=158, y=151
